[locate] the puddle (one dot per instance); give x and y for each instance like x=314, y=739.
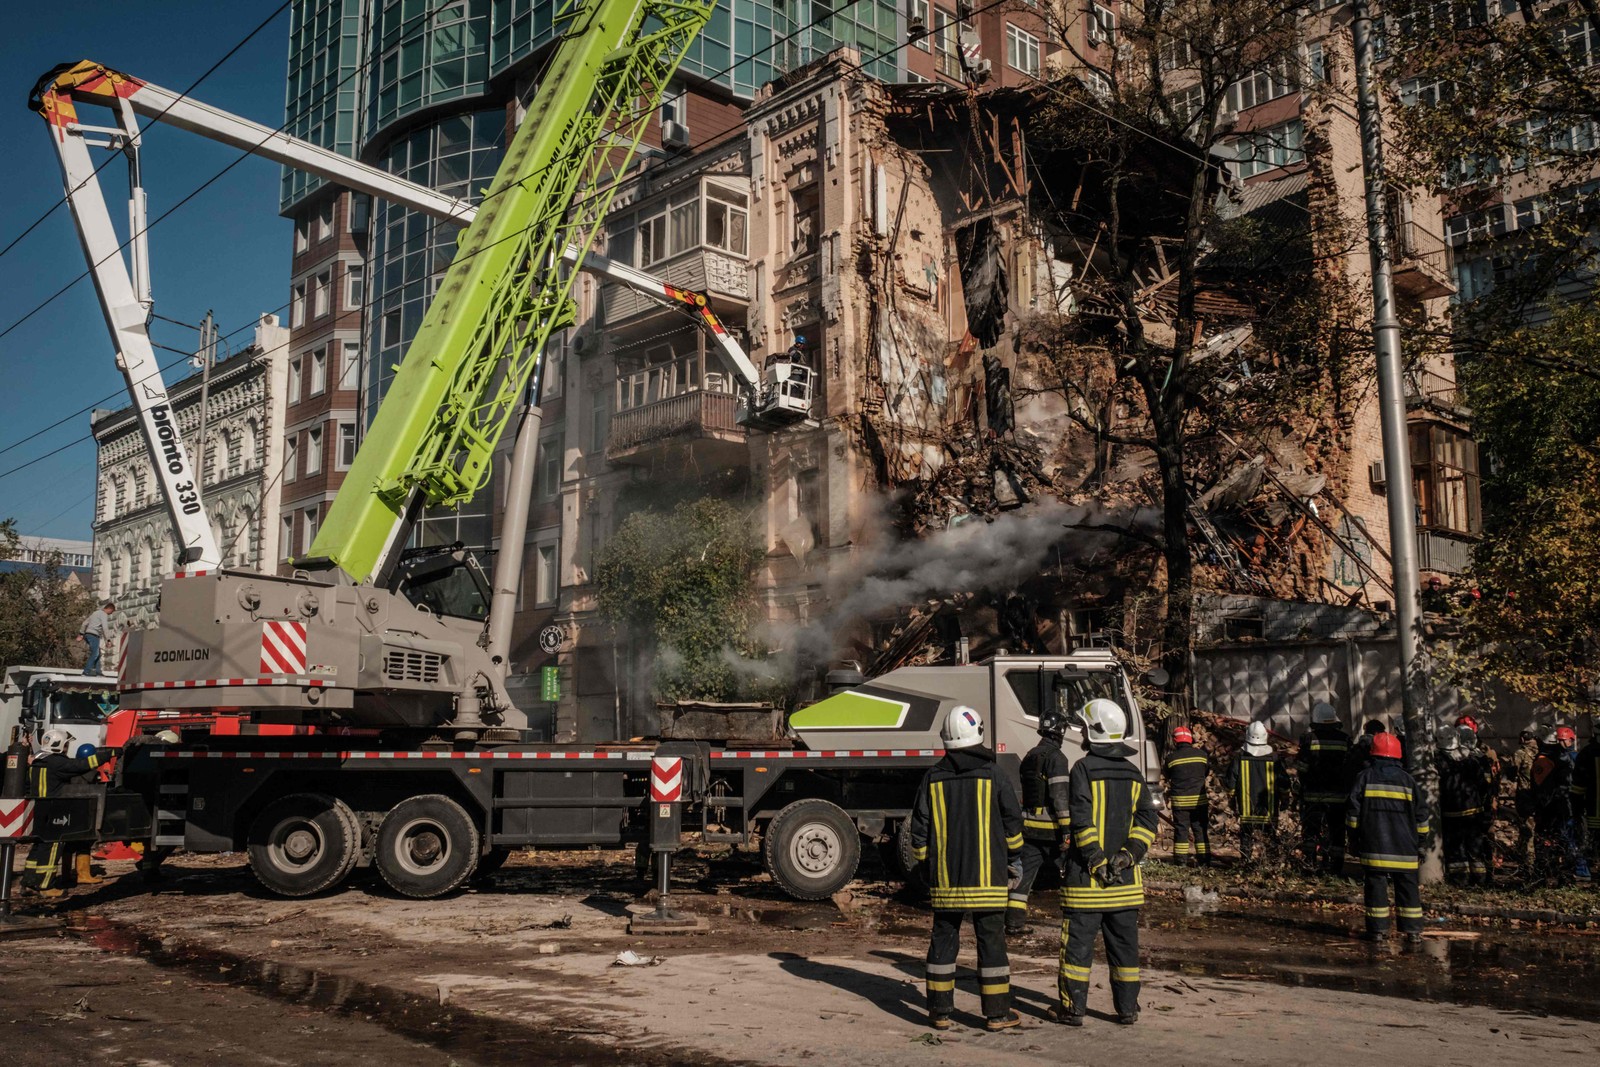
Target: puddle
x=474, y=1037
x=1499, y=967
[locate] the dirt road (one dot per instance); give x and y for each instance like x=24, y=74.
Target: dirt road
x=522, y=970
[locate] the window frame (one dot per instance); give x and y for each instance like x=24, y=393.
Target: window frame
x=346, y=438
x=1019, y=40
x=355, y=279
x=319, y=371
x=291, y=457
x=313, y=452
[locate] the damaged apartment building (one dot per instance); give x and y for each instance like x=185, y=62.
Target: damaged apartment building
x=893, y=237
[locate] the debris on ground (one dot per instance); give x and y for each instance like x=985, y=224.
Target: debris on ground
x=629, y=958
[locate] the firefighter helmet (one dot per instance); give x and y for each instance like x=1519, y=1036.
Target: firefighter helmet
x=167, y=737
x=963, y=728
x=1255, y=740
x=1107, y=721
x=1467, y=722
x=1322, y=713
x=1386, y=745
x=1450, y=744
x=1566, y=734
x=1182, y=735
x=1052, y=724
x=55, y=742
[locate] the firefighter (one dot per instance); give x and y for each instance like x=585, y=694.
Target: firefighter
x=1522, y=792
x=1466, y=784
x=1259, y=787
x=1113, y=825
x=1586, y=797
x=1552, y=807
x=49, y=771
x=1386, y=821
x=1187, y=768
x=1044, y=812
x=1324, y=765
x=966, y=832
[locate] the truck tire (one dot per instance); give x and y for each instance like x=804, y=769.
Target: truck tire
x=811, y=849
x=427, y=846
x=304, y=843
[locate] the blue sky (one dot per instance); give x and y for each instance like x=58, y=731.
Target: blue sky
x=226, y=250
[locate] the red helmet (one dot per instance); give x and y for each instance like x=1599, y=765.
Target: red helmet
x=1566, y=733
x=1386, y=744
x=1467, y=722
x=1182, y=735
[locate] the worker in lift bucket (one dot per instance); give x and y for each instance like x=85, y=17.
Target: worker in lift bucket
x=796, y=353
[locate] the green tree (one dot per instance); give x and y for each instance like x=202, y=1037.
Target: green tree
x=40, y=611
x=1496, y=108
x=679, y=586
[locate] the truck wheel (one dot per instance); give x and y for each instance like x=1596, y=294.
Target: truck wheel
x=304, y=843
x=427, y=846
x=811, y=848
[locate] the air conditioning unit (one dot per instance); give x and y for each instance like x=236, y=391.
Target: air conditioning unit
x=981, y=70
x=1097, y=33
x=674, y=135
x=1376, y=474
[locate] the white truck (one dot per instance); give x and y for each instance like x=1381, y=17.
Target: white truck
x=36, y=699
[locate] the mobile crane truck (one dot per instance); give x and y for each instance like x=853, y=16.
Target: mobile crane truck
x=420, y=765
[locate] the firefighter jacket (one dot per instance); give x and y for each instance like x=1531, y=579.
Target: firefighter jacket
x=50, y=772
x=1111, y=812
x=966, y=827
x=1466, y=785
x=1045, y=816
x=1385, y=817
x=1259, y=788
x=1186, y=769
x=1552, y=788
x=1586, y=785
x=1324, y=762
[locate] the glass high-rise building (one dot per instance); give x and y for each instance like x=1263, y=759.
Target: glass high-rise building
x=423, y=88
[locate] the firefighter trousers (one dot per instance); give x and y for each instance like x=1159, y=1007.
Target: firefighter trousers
x=1468, y=850
x=1407, y=900
x=45, y=864
x=994, y=967
x=1033, y=857
x=1322, y=839
x=1191, y=833
x=1120, y=930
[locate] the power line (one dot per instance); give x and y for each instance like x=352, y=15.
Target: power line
x=51, y=210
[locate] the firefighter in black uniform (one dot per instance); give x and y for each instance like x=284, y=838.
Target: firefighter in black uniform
x=966, y=833
x=1259, y=788
x=1187, y=768
x=1044, y=812
x=1387, y=822
x=1324, y=765
x=1466, y=789
x=1553, y=807
x=50, y=770
x=1113, y=825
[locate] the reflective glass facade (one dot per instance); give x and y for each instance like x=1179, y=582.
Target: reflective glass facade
x=423, y=54
x=323, y=83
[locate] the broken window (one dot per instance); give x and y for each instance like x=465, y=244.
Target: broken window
x=808, y=501
x=1444, y=465
x=807, y=219
x=663, y=373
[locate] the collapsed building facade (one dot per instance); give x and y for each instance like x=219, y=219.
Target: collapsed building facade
x=911, y=243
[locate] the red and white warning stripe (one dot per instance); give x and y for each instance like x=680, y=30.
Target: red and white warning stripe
x=666, y=779
x=215, y=683
x=16, y=819
x=349, y=754
x=122, y=657
x=283, y=648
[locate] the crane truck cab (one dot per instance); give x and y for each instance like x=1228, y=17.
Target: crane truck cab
x=34, y=700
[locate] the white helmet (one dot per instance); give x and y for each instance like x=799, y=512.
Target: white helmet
x=1107, y=721
x=168, y=737
x=56, y=742
x=1322, y=713
x=1255, y=740
x=963, y=728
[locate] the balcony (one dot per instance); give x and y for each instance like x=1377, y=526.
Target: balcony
x=699, y=429
x=1442, y=553
x=704, y=270
x=1421, y=262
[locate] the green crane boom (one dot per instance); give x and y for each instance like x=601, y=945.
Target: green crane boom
x=481, y=339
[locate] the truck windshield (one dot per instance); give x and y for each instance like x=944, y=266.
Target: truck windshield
x=83, y=708
x=1073, y=693
x=457, y=592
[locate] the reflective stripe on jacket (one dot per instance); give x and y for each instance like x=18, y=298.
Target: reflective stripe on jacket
x=1385, y=817
x=966, y=825
x=1111, y=811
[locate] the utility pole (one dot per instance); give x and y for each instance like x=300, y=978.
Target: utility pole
x=1415, y=705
